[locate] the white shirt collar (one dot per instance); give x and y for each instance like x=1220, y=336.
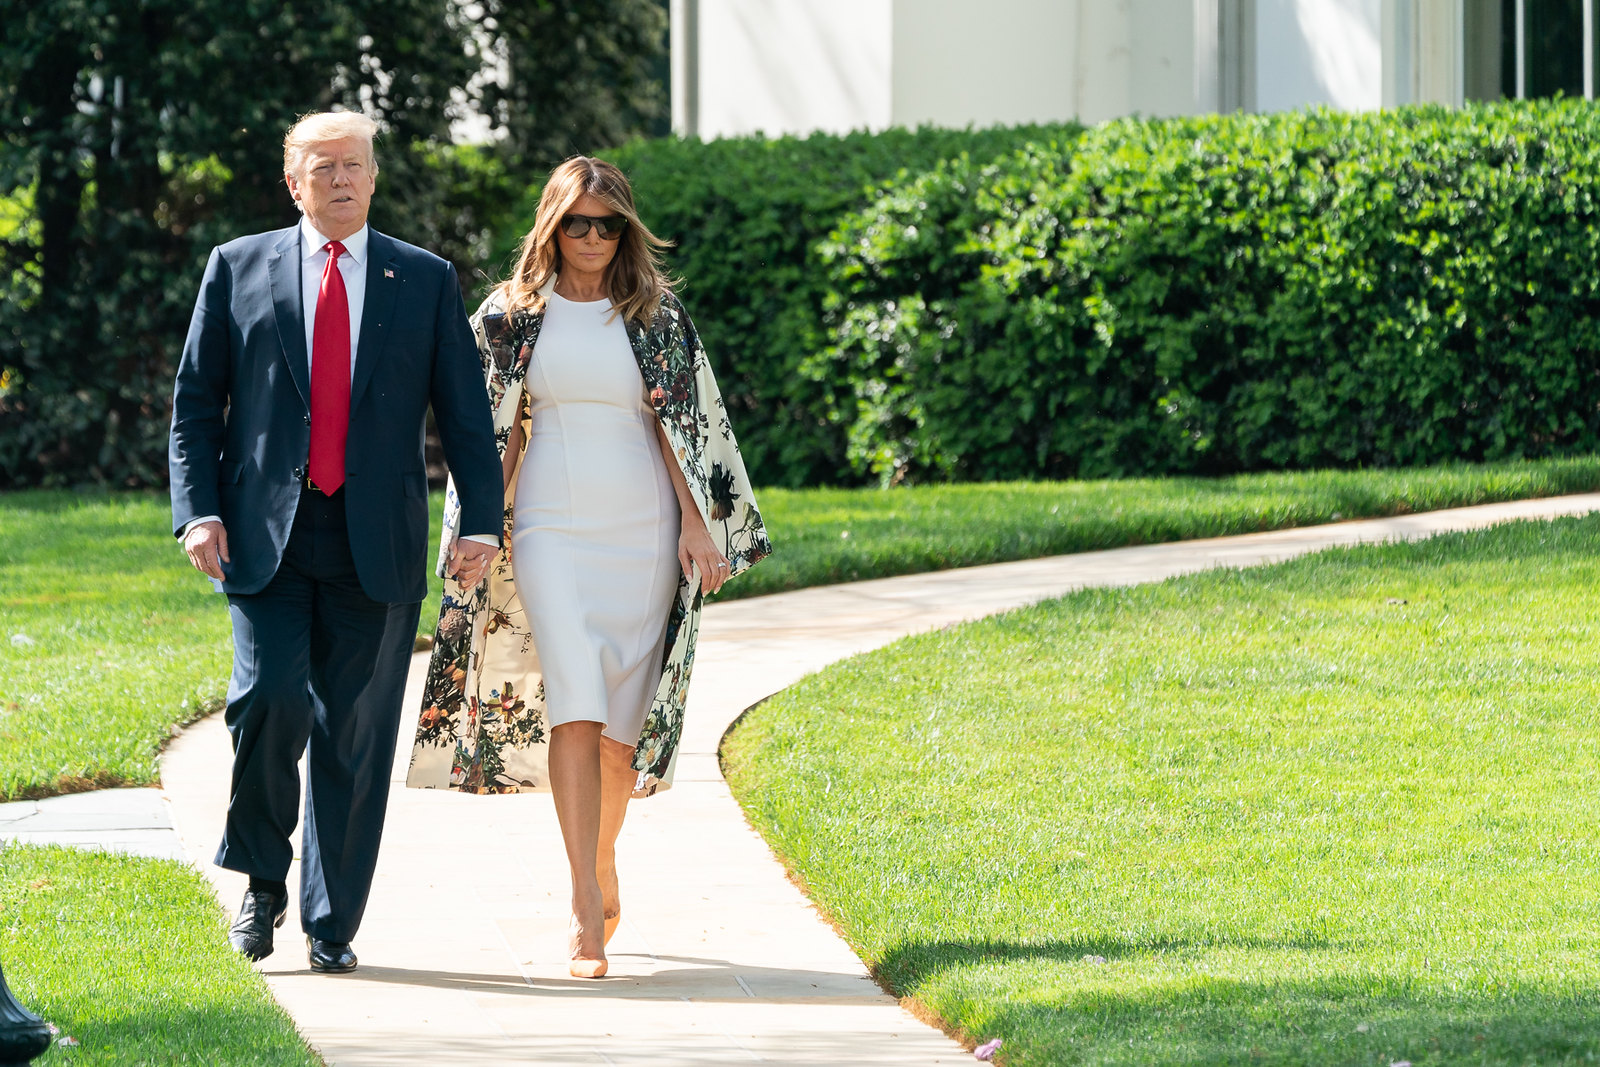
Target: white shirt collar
x=312, y=242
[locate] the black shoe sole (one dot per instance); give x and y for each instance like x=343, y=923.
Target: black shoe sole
x=329, y=967
x=332, y=970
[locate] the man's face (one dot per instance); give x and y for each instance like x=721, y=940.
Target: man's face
x=335, y=186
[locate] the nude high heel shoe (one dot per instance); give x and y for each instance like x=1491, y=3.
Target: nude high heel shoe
x=584, y=966
x=581, y=968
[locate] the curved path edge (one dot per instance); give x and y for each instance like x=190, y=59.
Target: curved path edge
x=720, y=958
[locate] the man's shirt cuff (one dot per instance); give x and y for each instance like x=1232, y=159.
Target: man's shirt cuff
x=192, y=523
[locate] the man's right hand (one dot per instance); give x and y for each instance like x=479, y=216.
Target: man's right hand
x=207, y=545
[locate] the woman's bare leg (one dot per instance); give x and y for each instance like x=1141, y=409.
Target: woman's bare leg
x=616, y=786
x=575, y=781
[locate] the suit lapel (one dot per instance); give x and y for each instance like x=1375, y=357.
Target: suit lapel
x=377, y=312
x=283, y=268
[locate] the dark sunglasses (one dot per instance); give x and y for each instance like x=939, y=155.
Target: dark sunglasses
x=610, y=226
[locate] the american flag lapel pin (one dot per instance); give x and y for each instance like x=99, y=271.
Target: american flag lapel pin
x=388, y=273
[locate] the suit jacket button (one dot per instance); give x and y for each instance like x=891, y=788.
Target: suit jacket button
x=297, y=473
x=308, y=420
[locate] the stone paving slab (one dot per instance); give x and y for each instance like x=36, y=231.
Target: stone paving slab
x=720, y=959
x=135, y=821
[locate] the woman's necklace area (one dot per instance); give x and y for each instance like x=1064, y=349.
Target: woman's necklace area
x=566, y=294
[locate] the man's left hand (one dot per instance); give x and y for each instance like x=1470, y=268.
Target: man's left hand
x=470, y=561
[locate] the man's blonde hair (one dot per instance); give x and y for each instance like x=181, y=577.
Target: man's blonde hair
x=320, y=126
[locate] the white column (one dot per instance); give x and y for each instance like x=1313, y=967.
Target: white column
x=1588, y=49
x=1236, y=51
x=1207, y=57
x=684, y=39
x=1441, y=53
x=1398, y=36
x=1520, y=38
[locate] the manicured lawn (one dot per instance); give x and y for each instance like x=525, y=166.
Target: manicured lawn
x=120, y=640
x=1336, y=811
x=823, y=536
x=108, y=637
x=129, y=956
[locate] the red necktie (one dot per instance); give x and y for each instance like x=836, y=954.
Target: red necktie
x=330, y=376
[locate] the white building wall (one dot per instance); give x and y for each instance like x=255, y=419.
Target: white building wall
x=797, y=66
x=782, y=66
x=958, y=62
x=1009, y=61
x=1319, y=52
x=1170, y=74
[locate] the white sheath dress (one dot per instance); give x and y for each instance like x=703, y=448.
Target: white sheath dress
x=595, y=531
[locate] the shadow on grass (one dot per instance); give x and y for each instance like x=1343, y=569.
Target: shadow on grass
x=1172, y=1002
x=908, y=965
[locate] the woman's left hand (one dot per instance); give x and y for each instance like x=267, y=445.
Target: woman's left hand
x=696, y=547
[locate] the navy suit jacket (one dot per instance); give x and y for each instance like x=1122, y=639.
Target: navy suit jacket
x=241, y=413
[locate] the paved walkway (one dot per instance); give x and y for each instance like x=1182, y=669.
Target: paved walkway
x=138, y=821
x=719, y=959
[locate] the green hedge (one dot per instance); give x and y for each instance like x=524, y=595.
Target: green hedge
x=1202, y=295
x=1236, y=293
x=746, y=215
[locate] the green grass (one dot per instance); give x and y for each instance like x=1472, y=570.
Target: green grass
x=128, y=640
x=124, y=640
x=1335, y=811
x=129, y=957
x=823, y=536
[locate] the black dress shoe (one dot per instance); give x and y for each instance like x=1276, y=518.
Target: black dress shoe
x=330, y=957
x=261, y=913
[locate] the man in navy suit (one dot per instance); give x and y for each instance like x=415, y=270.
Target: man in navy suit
x=298, y=486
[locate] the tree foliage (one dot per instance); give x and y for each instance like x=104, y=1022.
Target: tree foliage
x=571, y=78
x=135, y=134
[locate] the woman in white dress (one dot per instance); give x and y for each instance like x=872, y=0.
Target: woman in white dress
x=567, y=666
x=603, y=515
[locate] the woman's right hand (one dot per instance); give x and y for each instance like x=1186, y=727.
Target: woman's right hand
x=696, y=548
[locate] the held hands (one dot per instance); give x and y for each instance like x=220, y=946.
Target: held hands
x=696, y=547
x=207, y=546
x=469, y=561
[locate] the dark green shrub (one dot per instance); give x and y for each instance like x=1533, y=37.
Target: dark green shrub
x=745, y=214
x=1221, y=294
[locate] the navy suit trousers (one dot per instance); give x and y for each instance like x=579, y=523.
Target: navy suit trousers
x=319, y=669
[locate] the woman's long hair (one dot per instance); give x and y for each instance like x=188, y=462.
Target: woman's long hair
x=635, y=280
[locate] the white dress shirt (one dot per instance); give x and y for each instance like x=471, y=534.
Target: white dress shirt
x=352, y=266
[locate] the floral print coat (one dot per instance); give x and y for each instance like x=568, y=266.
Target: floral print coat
x=482, y=728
